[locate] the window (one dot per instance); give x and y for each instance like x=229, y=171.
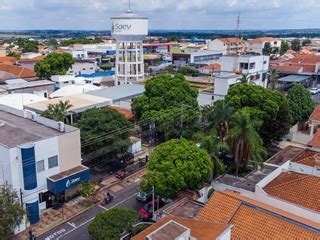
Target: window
x=252, y=65
x=264, y=62
x=40, y=166
x=91, y=68
x=53, y=161
x=83, y=69
x=244, y=65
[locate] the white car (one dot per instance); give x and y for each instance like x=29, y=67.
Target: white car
x=314, y=91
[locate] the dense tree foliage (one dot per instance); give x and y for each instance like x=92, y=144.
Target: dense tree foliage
x=176, y=165
x=296, y=45
x=306, y=42
x=168, y=101
x=69, y=42
x=54, y=64
x=11, y=211
x=245, y=141
x=112, y=223
x=284, y=47
x=269, y=106
x=58, y=111
x=27, y=45
x=301, y=103
x=87, y=190
x=188, y=71
x=267, y=49
x=104, y=128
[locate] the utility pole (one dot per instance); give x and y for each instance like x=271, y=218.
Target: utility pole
x=152, y=127
x=153, y=201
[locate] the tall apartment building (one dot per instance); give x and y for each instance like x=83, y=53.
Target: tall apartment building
x=227, y=45
x=40, y=158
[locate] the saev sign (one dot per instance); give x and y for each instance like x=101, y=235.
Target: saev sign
x=119, y=27
x=71, y=182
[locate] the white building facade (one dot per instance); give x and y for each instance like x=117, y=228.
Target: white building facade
x=257, y=45
x=227, y=45
x=41, y=159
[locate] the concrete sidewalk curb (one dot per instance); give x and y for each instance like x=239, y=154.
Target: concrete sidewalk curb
x=62, y=221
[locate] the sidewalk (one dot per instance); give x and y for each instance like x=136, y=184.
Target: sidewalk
x=51, y=218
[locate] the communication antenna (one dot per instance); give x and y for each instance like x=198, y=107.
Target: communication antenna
x=238, y=26
x=130, y=5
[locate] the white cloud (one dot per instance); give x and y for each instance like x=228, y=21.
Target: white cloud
x=163, y=14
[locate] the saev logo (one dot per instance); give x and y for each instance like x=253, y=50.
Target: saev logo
x=72, y=181
x=118, y=27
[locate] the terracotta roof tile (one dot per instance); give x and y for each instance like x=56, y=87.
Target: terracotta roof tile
x=287, y=68
x=255, y=220
x=199, y=229
x=127, y=113
x=262, y=40
x=8, y=60
x=212, y=67
x=296, y=188
x=315, y=141
x=18, y=71
x=315, y=115
x=231, y=40
x=307, y=157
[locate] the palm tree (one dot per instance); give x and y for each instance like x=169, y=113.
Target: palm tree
x=220, y=117
x=245, y=78
x=212, y=145
x=273, y=78
x=58, y=111
x=245, y=141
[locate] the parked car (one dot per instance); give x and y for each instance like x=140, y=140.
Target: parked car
x=144, y=196
x=146, y=211
x=314, y=91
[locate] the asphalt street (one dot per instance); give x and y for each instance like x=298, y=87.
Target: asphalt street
x=76, y=228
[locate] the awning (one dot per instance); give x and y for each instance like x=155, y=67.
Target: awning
x=68, y=179
x=294, y=78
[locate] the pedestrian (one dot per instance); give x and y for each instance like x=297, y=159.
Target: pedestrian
x=30, y=234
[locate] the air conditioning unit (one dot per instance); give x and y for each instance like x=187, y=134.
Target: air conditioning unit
x=34, y=116
x=61, y=126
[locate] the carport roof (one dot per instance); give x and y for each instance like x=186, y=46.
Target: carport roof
x=294, y=78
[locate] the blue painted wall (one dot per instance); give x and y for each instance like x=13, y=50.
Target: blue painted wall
x=29, y=168
x=33, y=212
x=68, y=182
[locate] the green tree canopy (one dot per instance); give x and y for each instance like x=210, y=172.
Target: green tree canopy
x=306, y=42
x=188, y=71
x=284, y=47
x=269, y=106
x=104, y=127
x=11, y=210
x=245, y=141
x=296, y=45
x=168, y=100
x=267, y=49
x=54, y=64
x=110, y=224
x=176, y=165
x=301, y=103
x=58, y=112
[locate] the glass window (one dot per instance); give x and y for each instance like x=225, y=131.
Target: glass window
x=53, y=161
x=40, y=166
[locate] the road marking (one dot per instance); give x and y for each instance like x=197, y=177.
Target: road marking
x=71, y=224
x=53, y=235
x=103, y=207
x=84, y=223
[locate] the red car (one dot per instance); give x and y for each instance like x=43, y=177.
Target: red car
x=147, y=210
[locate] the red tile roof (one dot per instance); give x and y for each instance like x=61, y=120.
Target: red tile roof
x=297, y=188
x=287, y=68
x=199, y=229
x=231, y=40
x=8, y=60
x=18, y=71
x=255, y=220
x=262, y=40
x=315, y=115
x=211, y=67
x=315, y=141
x=308, y=157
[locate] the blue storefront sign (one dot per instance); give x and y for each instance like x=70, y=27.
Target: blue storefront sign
x=68, y=182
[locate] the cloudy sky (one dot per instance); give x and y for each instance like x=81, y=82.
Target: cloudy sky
x=163, y=14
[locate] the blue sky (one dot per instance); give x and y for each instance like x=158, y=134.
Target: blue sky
x=163, y=14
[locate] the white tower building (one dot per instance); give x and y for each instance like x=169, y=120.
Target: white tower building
x=129, y=31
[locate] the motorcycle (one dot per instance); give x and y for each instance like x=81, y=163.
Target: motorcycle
x=120, y=174
x=108, y=199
